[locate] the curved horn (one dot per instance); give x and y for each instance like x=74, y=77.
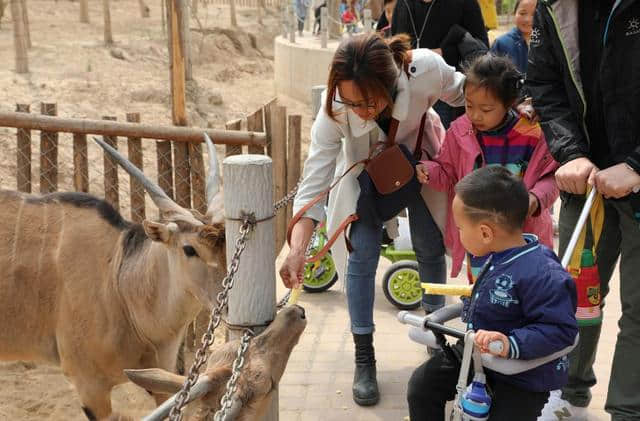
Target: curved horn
x=159, y=197
x=213, y=179
x=198, y=390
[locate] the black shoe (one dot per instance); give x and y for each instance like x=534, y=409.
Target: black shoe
x=365, y=384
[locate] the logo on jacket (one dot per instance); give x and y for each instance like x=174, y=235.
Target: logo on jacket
x=633, y=27
x=501, y=295
x=563, y=364
x=535, y=36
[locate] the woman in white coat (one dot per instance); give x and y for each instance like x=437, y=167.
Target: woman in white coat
x=367, y=86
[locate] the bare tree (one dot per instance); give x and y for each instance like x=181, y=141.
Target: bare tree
x=108, y=36
x=84, y=11
x=19, y=41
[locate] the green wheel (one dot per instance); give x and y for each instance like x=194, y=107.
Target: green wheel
x=321, y=275
x=401, y=285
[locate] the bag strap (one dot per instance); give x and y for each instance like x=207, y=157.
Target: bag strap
x=417, y=152
x=597, y=221
x=393, y=130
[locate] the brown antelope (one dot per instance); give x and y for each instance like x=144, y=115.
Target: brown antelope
x=82, y=288
x=265, y=360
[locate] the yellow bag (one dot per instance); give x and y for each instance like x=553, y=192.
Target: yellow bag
x=489, y=14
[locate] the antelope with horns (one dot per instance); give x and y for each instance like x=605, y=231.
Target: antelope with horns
x=82, y=288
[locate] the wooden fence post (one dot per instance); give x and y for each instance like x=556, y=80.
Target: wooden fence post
x=48, y=154
x=19, y=40
x=267, y=122
x=80, y=163
x=136, y=191
x=293, y=157
x=84, y=11
x=108, y=35
x=253, y=297
x=254, y=124
x=111, y=188
x=23, y=154
x=233, y=149
x=279, y=155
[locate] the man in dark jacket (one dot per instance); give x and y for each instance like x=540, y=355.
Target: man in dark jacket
x=584, y=62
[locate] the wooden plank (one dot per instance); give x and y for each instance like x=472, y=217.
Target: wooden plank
x=134, y=151
x=114, y=128
x=255, y=124
x=267, y=122
x=165, y=167
x=48, y=154
x=294, y=132
x=198, y=177
x=279, y=156
x=176, y=64
x=111, y=188
x=23, y=154
x=232, y=149
x=80, y=163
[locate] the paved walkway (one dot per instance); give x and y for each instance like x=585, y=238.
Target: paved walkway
x=317, y=382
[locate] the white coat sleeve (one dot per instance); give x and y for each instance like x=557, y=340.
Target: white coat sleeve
x=320, y=166
x=452, y=84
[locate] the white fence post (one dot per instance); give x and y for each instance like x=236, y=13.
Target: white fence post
x=316, y=98
x=324, y=26
x=292, y=25
x=367, y=20
x=284, y=20
x=252, y=300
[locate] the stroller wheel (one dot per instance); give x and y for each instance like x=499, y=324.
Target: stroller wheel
x=401, y=285
x=321, y=275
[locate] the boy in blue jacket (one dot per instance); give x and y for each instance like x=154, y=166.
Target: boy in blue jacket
x=523, y=298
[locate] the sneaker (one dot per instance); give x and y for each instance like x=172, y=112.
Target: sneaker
x=558, y=409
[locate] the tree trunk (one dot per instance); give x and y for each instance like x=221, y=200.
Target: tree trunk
x=19, y=41
x=185, y=39
x=108, y=36
x=144, y=9
x=84, y=11
x=25, y=20
x=232, y=12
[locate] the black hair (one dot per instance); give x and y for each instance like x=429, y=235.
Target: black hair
x=494, y=193
x=498, y=75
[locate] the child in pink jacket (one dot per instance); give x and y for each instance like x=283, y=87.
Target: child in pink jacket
x=492, y=133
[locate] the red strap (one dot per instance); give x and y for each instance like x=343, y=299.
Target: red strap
x=417, y=152
x=342, y=228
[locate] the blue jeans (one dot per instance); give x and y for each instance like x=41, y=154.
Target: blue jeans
x=363, y=262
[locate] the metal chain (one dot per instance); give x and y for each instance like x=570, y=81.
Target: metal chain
x=207, y=339
x=222, y=299
x=238, y=363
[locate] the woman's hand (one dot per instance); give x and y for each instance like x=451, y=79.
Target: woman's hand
x=534, y=205
x=422, y=173
x=292, y=270
x=484, y=337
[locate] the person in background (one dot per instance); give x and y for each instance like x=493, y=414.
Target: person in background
x=317, y=11
x=492, y=133
x=524, y=299
x=384, y=23
x=301, y=7
x=584, y=62
x=440, y=25
x=350, y=19
x=515, y=43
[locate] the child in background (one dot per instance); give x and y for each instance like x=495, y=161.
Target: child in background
x=350, y=19
x=492, y=133
x=523, y=298
x=515, y=43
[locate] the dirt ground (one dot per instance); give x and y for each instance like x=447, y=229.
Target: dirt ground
x=70, y=66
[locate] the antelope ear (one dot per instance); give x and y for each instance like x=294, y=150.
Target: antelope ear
x=157, y=231
x=156, y=380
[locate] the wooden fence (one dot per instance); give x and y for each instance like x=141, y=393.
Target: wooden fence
x=250, y=3
x=182, y=176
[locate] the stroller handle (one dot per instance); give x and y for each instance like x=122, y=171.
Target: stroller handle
x=582, y=219
x=495, y=347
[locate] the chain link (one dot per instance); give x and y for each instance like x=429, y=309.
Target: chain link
x=207, y=339
x=238, y=363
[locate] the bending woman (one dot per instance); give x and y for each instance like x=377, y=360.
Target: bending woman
x=367, y=87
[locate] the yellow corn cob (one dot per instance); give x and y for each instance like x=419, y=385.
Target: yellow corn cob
x=295, y=293
x=444, y=289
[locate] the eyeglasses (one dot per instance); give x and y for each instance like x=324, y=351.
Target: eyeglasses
x=357, y=106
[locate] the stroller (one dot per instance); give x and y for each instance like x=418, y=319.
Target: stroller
x=472, y=402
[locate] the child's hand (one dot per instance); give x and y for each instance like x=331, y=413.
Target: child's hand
x=422, y=173
x=484, y=337
x=534, y=204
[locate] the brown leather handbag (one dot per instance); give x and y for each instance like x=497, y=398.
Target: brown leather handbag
x=387, y=185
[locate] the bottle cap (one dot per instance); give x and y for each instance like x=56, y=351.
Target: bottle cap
x=587, y=259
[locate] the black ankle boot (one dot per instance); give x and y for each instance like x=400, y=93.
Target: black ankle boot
x=365, y=384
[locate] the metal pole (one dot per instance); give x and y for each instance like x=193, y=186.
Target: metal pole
x=292, y=25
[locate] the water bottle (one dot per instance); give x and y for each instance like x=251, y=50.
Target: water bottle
x=476, y=402
x=587, y=281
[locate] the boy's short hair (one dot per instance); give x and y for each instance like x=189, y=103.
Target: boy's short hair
x=494, y=193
